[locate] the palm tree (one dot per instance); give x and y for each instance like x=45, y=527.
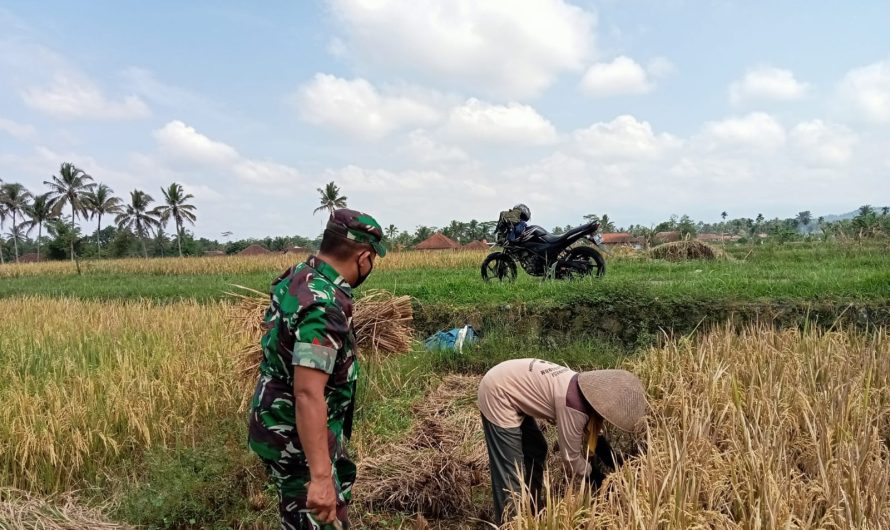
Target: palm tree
x=804, y=218
x=40, y=211
x=422, y=233
x=2, y=222
x=64, y=232
x=137, y=218
x=330, y=199
x=605, y=224
x=866, y=210
x=885, y=210
x=724, y=215
x=101, y=202
x=15, y=199
x=177, y=208
x=70, y=187
x=3, y=215
x=391, y=232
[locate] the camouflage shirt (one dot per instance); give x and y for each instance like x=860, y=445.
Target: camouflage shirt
x=308, y=323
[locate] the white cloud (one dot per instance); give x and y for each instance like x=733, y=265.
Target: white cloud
x=182, y=148
x=867, y=90
x=181, y=144
x=265, y=172
x=767, y=83
x=73, y=96
x=819, y=143
x=413, y=197
x=425, y=149
x=506, y=49
x=625, y=137
x=357, y=108
x=514, y=123
x=18, y=130
x=756, y=130
x=622, y=76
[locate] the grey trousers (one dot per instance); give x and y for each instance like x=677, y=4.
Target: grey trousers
x=522, y=449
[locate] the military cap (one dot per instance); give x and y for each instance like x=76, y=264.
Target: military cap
x=359, y=227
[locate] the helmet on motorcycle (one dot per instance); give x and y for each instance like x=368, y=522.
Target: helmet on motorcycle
x=524, y=213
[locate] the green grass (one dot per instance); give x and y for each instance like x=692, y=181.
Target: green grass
x=811, y=273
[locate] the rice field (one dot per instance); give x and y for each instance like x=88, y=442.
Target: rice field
x=752, y=429
x=125, y=411
x=231, y=265
x=87, y=384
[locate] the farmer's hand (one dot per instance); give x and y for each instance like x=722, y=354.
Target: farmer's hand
x=321, y=500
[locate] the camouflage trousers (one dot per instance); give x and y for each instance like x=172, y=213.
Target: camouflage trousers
x=273, y=437
x=291, y=483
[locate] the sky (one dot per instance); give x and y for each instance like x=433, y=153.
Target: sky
x=432, y=110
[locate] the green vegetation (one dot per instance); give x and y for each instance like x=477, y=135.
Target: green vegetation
x=169, y=453
x=807, y=272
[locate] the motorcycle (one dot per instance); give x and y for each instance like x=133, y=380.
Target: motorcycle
x=543, y=254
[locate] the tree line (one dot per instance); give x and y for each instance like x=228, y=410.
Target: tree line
x=72, y=193
x=139, y=225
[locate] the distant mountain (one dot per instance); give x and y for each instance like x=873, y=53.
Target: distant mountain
x=845, y=216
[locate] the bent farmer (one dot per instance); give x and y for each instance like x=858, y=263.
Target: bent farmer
x=301, y=413
x=514, y=393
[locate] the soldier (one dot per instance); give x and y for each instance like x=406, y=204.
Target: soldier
x=301, y=413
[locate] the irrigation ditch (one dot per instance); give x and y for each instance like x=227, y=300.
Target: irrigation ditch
x=636, y=322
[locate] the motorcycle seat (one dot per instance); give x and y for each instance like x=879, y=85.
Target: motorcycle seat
x=540, y=233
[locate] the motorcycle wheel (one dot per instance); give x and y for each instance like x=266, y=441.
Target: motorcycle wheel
x=498, y=266
x=591, y=259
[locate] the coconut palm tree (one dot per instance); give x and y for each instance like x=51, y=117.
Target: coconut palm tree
x=137, y=218
x=101, y=202
x=391, y=232
x=175, y=207
x=866, y=210
x=330, y=199
x=3, y=215
x=15, y=199
x=40, y=212
x=2, y=222
x=70, y=188
x=65, y=233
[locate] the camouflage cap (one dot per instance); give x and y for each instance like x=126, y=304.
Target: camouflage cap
x=359, y=227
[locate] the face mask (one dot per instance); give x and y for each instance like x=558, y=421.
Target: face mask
x=362, y=277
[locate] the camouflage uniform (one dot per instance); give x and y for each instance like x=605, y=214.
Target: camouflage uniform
x=309, y=323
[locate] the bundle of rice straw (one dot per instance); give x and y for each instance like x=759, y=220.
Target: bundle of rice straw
x=21, y=510
x=432, y=470
x=687, y=250
x=383, y=325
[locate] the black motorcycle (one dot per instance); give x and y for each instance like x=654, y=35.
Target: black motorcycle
x=547, y=255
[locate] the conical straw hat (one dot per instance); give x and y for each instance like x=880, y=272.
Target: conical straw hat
x=617, y=395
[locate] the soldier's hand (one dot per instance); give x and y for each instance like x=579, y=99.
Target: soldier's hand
x=321, y=500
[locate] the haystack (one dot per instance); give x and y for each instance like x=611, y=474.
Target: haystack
x=433, y=468
x=687, y=250
x=19, y=509
x=384, y=324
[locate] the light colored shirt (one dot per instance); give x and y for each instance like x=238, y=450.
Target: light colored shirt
x=543, y=390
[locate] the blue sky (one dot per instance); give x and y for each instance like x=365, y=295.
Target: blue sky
x=426, y=111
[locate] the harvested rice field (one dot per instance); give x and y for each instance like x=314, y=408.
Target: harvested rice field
x=129, y=411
